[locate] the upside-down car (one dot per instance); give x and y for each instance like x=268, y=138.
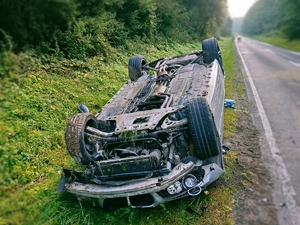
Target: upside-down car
x=158, y=139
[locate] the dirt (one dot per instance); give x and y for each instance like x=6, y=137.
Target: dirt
x=254, y=203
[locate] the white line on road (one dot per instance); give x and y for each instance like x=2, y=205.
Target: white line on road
x=263, y=43
x=268, y=50
x=247, y=52
x=268, y=45
x=284, y=178
x=296, y=64
x=295, y=53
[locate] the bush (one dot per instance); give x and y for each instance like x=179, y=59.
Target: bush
x=6, y=44
x=7, y=64
x=7, y=58
x=31, y=22
x=90, y=37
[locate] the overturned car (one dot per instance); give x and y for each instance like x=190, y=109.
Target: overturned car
x=158, y=139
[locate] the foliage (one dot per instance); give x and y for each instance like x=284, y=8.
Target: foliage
x=139, y=16
x=170, y=13
x=291, y=18
x=57, y=54
x=273, y=18
x=261, y=18
x=91, y=8
x=35, y=107
x=34, y=21
x=225, y=30
x=206, y=17
x=84, y=28
x=91, y=37
x=7, y=58
x=5, y=42
x=7, y=64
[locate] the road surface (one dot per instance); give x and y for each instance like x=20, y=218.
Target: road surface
x=272, y=78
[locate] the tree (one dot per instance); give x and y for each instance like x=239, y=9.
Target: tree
x=206, y=17
x=30, y=22
x=267, y=17
x=290, y=19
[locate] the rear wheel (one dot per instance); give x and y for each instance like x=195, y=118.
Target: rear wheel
x=135, y=67
x=211, y=51
x=206, y=140
x=79, y=146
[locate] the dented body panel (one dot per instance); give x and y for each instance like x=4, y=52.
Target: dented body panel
x=158, y=139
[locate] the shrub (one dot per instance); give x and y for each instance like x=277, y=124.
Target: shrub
x=7, y=58
x=31, y=22
x=6, y=44
x=90, y=37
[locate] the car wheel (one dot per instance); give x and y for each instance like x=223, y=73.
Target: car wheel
x=79, y=147
x=205, y=137
x=135, y=67
x=211, y=51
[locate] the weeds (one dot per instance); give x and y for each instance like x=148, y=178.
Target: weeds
x=37, y=99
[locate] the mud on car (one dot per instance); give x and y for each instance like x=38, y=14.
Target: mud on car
x=158, y=139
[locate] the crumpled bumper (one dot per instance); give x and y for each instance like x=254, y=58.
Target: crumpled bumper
x=134, y=188
x=146, y=193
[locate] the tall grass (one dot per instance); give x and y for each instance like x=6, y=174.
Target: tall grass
x=36, y=100
x=293, y=45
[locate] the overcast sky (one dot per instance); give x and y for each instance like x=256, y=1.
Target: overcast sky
x=238, y=8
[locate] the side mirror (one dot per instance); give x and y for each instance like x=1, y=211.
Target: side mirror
x=82, y=108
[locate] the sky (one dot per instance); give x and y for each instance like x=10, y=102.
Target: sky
x=239, y=8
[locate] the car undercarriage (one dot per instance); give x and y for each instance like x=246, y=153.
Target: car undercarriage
x=158, y=139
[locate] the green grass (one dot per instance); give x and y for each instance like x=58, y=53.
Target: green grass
x=293, y=45
x=37, y=98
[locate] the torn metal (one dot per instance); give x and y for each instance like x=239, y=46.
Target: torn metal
x=158, y=139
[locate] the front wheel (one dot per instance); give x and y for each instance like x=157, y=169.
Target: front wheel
x=79, y=146
x=206, y=140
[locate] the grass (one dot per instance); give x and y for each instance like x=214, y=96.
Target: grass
x=293, y=45
x=39, y=95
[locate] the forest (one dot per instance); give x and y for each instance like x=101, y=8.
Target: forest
x=76, y=29
x=273, y=18
x=57, y=54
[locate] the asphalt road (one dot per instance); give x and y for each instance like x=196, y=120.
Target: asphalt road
x=272, y=78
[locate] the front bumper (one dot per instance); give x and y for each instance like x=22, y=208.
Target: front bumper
x=134, y=188
x=152, y=189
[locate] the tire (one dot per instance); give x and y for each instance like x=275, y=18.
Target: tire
x=206, y=140
x=211, y=51
x=77, y=144
x=135, y=67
